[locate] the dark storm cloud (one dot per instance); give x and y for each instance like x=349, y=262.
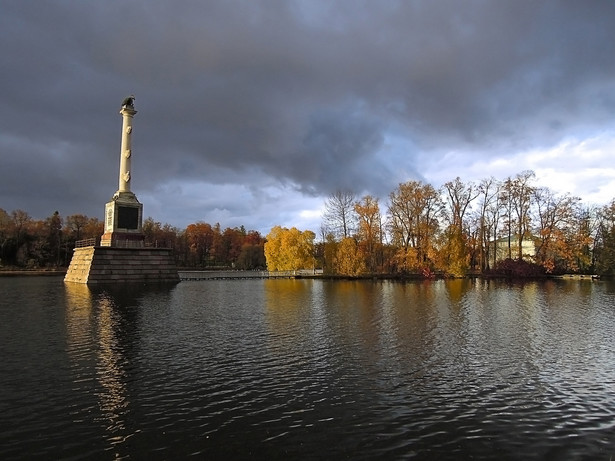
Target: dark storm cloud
x=303, y=94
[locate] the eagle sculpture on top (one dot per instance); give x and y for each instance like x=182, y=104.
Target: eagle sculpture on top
x=129, y=101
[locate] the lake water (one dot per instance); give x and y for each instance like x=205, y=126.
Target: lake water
x=307, y=369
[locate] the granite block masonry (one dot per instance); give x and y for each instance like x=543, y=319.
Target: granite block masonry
x=98, y=265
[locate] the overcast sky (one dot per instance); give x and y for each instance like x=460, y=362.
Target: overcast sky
x=253, y=112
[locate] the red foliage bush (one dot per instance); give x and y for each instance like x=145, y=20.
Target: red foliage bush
x=513, y=268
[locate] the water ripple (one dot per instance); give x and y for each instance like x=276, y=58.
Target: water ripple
x=311, y=369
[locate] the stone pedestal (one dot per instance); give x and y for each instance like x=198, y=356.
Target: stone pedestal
x=123, y=222
x=102, y=265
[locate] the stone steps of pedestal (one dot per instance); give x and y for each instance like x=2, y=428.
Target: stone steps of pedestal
x=93, y=265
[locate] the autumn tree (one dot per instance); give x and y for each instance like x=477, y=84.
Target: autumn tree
x=519, y=193
x=199, y=239
x=53, y=226
x=159, y=235
x=35, y=251
x=74, y=226
x=289, y=249
x=579, y=238
x=506, y=214
x=584, y=227
x=475, y=248
x=486, y=219
x=20, y=226
x=338, y=215
x=349, y=259
x=453, y=256
x=251, y=257
x=252, y=254
x=330, y=251
x=253, y=238
x=414, y=209
x=555, y=216
x=230, y=245
x=93, y=229
x=458, y=197
x=151, y=229
x=369, y=230
x=605, y=247
x=5, y=221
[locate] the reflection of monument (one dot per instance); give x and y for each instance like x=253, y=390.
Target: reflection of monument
x=122, y=255
x=98, y=320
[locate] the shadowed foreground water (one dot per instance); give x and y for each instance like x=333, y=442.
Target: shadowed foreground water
x=308, y=369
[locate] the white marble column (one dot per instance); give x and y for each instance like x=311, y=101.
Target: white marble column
x=128, y=113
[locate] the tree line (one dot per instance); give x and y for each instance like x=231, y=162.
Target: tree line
x=26, y=243
x=502, y=227
x=490, y=226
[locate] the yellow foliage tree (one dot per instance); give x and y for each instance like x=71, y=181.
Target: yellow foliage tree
x=349, y=258
x=330, y=254
x=369, y=232
x=406, y=260
x=453, y=257
x=289, y=249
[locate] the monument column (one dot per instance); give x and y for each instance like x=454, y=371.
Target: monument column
x=122, y=256
x=124, y=213
x=128, y=112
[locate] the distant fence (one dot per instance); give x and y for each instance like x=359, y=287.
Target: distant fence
x=91, y=242
x=85, y=243
x=220, y=275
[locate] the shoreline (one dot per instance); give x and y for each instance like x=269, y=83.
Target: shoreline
x=18, y=273
x=408, y=277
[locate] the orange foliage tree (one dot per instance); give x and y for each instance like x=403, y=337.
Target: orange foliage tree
x=369, y=231
x=414, y=212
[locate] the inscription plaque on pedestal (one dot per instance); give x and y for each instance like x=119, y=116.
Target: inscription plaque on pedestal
x=127, y=217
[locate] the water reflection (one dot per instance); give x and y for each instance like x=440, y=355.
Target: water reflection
x=110, y=370
x=311, y=369
x=79, y=320
x=287, y=310
x=447, y=364
x=101, y=324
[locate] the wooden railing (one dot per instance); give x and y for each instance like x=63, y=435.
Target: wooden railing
x=232, y=274
x=85, y=243
x=117, y=244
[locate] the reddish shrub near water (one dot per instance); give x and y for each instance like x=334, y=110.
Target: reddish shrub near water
x=516, y=268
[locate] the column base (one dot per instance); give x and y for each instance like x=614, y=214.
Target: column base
x=122, y=240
